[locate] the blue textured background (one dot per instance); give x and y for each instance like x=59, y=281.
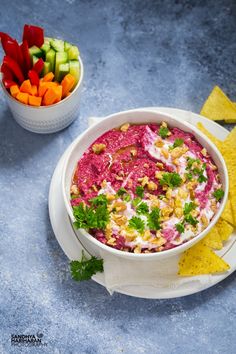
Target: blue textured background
x=136, y=53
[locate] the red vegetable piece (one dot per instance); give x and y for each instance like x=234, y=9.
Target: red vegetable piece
x=26, y=56
x=4, y=38
x=33, y=35
x=14, y=67
x=38, y=66
x=8, y=83
x=7, y=74
x=34, y=78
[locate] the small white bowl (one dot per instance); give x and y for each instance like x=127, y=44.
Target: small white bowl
x=136, y=117
x=47, y=119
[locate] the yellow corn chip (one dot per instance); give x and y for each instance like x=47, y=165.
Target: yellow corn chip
x=231, y=138
x=224, y=229
x=219, y=107
x=213, y=239
x=210, y=136
x=227, y=214
x=233, y=203
x=199, y=260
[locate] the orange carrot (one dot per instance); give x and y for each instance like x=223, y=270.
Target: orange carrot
x=14, y=90
x=42, y=89
x=68, y=94
x=58, y=90
x=50, y=96
x=67, y=84
x=48, y=77
x=35, y=101
x=34, y=90
x=22, y=97
x=26, y=86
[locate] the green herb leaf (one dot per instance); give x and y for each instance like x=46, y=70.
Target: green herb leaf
x=178, y=142
x=154, y=219
x=121, y=191
x=188, y=207
x=171, y=179
x=142, y=208
x=137, y=224
x=139, y=191
x=85, y=268
x=189, y=176
x=127, y=197
x=136, y=201
x=94, y=217
x=101, y=199
x=179, y=228
x=191, y=220
x=202, y=178
x=218, y=194
x=191, y=161
x=163, y=132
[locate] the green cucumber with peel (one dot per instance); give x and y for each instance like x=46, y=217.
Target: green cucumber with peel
x=75, y=70
x=61, y=58
x=50, y=58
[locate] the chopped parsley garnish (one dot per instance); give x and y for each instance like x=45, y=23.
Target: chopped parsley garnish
x=139, y=191
x=178, y=142
x=121, y=191
x=154, y=219
x=85, y=268
x=136, y=201
x=202, y=178
x=95, y=216
x=74, y=196
x=179, y=228
x=191, y=220
x=188, y=207
x=171, y=179
x=218, y=194
x=142, y=208
x=191, y=162
x=137, y=223
x=189, y=176
x=163, y=132
x=196, y=170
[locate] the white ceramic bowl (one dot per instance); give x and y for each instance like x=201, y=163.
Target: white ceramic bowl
x=47, y=119
x=136, y=117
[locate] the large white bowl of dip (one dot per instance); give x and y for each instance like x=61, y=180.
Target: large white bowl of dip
x=150, y=167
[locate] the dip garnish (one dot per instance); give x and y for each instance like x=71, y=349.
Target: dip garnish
x=139, y=191
x=180, y=228
x=171, y=179
x=85, y=268
x=178, y=142
x=137, y=223
x=154, y=219
x=142, y=208
x=218, y=194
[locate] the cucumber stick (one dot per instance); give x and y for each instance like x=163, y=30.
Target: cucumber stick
x=67, y=46
x=75, y=70
x=46, y=68
x=73, y=53
x=63, y=70
x=57, y=45
x=61, y=58
x=50, y=58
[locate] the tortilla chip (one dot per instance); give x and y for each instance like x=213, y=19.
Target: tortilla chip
x=219, y=107
x=231, y=138
x=210, y=136
x=233, y=204
x=199, y=260
x=224, y=229
x=213, y=239
x=227, y=214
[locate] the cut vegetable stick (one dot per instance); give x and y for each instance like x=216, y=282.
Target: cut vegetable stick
x=50, y=96
x=34, y=90
x=48, y=77
x=14, y=90
x=22, y=97
x=58, y=90
x=26, y=86
x=42, y=89
x=35, y=101
x=67, y=84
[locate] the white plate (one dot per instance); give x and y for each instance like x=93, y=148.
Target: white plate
x=70, y=244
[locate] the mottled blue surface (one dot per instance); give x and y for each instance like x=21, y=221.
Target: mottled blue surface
x=136, y=53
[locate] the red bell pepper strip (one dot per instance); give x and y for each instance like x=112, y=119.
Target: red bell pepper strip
x=8, y=83
x=4, y=38
x=34, y=78
x=38, y=66
x=7, y=74
x=26, y=56
x=11, y=48
x=14, y=67
x=33, y=35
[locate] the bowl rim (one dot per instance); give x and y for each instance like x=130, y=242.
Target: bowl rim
x=166, y=253
x=13, y=99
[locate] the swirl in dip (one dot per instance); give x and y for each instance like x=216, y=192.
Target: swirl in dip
x=145, y=188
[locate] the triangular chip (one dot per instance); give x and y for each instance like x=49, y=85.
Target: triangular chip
x=224, y=229
x=210, y=136
x=219, y=107
x=231, y=138
x=227, y=214
x=199, y=260
x=213, y=239
x=233, y=204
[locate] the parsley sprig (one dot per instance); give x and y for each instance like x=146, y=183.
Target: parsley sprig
x=178, y=142
x=142, y=208
x=180, y=227
x=218, y=194
x=188, y=207
x=139, y=191
x=95, y=216
x=137, y=223
x=163, y=132
x=85, y=268
x=122, y=192
x=154, y=219
x=171, y=179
